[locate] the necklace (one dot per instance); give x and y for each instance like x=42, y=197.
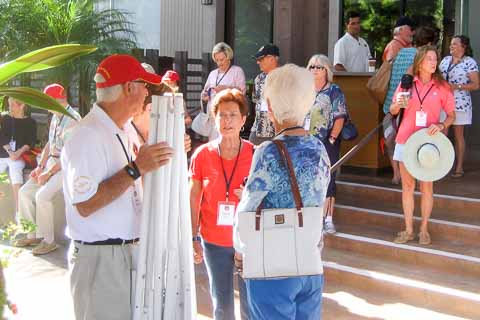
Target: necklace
x=288, y=129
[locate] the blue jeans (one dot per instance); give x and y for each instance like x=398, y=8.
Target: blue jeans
x=297, y=298
x=220, y=268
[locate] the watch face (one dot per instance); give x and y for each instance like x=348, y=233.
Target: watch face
x=131, y=172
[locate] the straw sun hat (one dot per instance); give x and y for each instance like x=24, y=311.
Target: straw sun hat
x=426, y=157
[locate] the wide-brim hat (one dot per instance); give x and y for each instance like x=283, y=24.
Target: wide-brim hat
x=426, y=157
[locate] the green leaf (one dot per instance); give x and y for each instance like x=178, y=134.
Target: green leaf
x=34, y=98
x=43, y=59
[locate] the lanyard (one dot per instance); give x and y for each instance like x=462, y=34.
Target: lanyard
x=138, y=132
x=451, y=66
x=422, y=99
x=217, y=82
x=55, y=130
x=12, y=138
x=129, y=159
x=229, y=181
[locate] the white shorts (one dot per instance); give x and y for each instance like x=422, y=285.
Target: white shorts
x=462, y=118
x=15, y=169
x=398, y=153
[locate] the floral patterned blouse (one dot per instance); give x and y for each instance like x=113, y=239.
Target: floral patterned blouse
x=262, y=126
x=329, y=106
x=458, y=74
x=268, y=179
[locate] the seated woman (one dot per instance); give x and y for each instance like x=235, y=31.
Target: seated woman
x=18, y=134
x=289, y=92
x=217, y=172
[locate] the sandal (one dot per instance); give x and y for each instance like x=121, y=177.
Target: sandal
x=404, y=237
x=458, y=174
x=424, y=238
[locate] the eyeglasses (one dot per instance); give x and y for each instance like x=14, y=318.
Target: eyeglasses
x=316, y=67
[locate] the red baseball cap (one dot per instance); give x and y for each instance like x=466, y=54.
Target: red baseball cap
x=55, y=90
x=121, y=68
x=171, y=75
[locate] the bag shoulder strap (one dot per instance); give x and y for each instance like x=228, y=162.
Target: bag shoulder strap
x=282, y=149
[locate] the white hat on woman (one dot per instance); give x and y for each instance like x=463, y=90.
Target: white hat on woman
x=426, y=157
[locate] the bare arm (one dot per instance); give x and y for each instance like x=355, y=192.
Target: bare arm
x=150, y=157
x=195, y=197
x=337, y=127
x=108, y=191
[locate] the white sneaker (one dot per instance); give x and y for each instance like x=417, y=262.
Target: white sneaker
x=329, y=227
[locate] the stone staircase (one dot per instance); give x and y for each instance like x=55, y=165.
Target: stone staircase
x=369, y=277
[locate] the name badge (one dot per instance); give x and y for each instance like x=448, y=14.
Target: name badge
x=421, y=119
x=306, y=126
x=225, y=213
x=264, y=106
x=12, y=144
x=136, y=200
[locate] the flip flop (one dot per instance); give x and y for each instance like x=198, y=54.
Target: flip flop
x=457, y=175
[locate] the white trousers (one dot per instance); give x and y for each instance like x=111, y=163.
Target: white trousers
x=15, y=169
x=35, y=203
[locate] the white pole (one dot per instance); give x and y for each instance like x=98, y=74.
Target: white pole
x=165, y=286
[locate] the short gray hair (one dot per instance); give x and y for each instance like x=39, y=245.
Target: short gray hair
x=397, y=30
x=222, y=47
x=291, y=92
x=324, y=61
x=108, y=94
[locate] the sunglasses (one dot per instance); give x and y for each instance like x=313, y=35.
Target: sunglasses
x=316, y=67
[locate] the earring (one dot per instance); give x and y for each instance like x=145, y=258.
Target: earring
x=243, y=129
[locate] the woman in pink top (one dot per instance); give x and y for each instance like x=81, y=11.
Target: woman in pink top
x=430, y=94
x=226, y=76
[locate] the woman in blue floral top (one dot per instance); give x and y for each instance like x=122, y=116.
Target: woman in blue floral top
x=461, y=72
x=289, y=93
x=325, y=122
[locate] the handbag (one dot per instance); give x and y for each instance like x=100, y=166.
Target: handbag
x=281, y=242
x=201, y=124
x=377, y=85
x=349, y=130
x=30, y=157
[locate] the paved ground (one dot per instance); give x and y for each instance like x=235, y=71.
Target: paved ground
x=39, y=287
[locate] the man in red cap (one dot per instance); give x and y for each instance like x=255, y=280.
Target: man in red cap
x=103, y=192
x=35, y=198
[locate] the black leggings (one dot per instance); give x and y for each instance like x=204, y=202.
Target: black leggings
x=333, y=151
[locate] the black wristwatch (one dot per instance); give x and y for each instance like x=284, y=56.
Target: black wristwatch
x=133, y=171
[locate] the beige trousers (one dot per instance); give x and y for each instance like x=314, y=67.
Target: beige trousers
x=35, y=203
x=101, y=281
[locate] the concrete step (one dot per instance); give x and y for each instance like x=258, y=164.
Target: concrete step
x=463, y=235
x=373, y=291
x=451, y=208
x=416, y=256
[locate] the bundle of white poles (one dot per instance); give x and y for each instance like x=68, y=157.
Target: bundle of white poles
x=165, y=280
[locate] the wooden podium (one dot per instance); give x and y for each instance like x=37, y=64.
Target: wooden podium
x=366, y=114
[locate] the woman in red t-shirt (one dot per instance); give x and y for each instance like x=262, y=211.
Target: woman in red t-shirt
x=429, y=95
x=217, y=171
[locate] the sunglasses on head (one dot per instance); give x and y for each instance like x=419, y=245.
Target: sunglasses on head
x=316, y=67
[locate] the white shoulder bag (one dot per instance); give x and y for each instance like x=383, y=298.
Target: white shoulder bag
x=282, y=242
x=201, y=124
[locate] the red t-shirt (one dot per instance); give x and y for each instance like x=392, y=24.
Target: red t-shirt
x=206, y=167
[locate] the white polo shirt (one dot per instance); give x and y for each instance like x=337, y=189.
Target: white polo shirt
x=91, y=155
x=353, y=54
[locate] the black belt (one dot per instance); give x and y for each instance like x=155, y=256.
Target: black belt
x=108, y=242
x=54, y=156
